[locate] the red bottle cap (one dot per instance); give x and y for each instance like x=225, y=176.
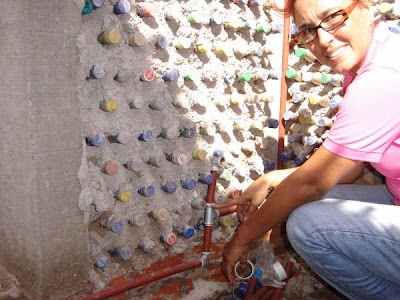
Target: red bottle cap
x=110, y=168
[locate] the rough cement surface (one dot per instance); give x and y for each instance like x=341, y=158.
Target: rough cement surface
x=43, y=240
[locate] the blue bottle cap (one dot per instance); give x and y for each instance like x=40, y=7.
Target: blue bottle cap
x=97, y=3
x=273, y=75
x=116, y=226
x=171, y=75
x=124, y=253
x=258, y=2
x=333, y=103
x=205, y=178
x=188, y=183
x=169, y=187
x=297, y=98
x=273, y=123
x=189, y=132
x=243, y=287
x=293, y=138
x=285, y=156
x=147, y=191
x=199, y=224
x=299, y=161
x=97, y=141
x=257, y=273
x=216, y=19
x=227, y=80
x=101, y=261
x=311, y=140
x=270, y=165
x=395, y=30
x=259, y=51
x=97, y=72
x=187, y=231
x=122, y=7
x=162, y=42
x=218, y=153
x=146, y=136
x=288, y=115
x=239, y=172
x=293, y=29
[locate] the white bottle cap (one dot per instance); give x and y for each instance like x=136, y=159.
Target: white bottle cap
x=280, y=271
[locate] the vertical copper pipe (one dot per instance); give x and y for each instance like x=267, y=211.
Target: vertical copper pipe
x=283, y=98
x=211, y=188
x=207, y=238
x=210, y=199
x=252, y=287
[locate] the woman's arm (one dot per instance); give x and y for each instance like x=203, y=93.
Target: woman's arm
x=309, y=182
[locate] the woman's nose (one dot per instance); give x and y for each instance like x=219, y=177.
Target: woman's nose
x=324, y=37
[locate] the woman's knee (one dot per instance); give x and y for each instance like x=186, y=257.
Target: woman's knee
x=303, y=223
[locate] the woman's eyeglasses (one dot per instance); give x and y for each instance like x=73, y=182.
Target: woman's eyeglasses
x=330, y=23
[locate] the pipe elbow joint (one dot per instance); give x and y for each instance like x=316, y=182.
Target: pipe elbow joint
x=217, y=163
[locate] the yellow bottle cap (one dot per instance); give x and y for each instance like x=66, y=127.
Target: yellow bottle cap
x=125, y=196
x=112, y=36
x=111, y=105
x=385, y=7
x=303, y=120
x=199, y=153
x=314, y=99
x=225, y=220
x=204, y=47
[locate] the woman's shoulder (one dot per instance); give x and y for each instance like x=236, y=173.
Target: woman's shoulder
x=387, y=49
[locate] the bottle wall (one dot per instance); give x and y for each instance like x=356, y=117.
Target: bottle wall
x=168, y=85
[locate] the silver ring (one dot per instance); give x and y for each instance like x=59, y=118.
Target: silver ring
x=251, y=273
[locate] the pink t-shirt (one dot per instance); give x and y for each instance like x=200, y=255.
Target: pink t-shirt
x=367, y=125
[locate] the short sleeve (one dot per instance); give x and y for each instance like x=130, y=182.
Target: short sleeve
x=369, y=119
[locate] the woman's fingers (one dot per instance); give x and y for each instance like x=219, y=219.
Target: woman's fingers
x=228, y=203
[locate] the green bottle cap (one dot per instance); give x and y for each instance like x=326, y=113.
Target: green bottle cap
x=191, y=18
x=246, y=76
x=290, y=73
x=300, y=52
x=88, y=8
x=325, y=79
x=193, y=76
x=226, y=175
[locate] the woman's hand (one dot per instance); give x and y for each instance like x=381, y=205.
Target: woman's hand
x=255, y=194
x=233, y=252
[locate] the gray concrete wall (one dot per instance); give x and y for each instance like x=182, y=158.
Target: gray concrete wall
x=43, y=240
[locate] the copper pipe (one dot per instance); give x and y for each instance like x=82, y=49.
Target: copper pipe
x=250, y=290
x=144, y=280
x=168, y=271
x=211, y=188
x=277, y=294
x=210, y=199
x=283, y=98
x=207, y=239
x=268, y=295
x=260, y=293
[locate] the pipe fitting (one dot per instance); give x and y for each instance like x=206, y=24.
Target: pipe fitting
x=203, y=259
x=217, y=163
x=208, y=215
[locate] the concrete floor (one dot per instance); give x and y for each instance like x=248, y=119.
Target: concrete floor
x=200, y=284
